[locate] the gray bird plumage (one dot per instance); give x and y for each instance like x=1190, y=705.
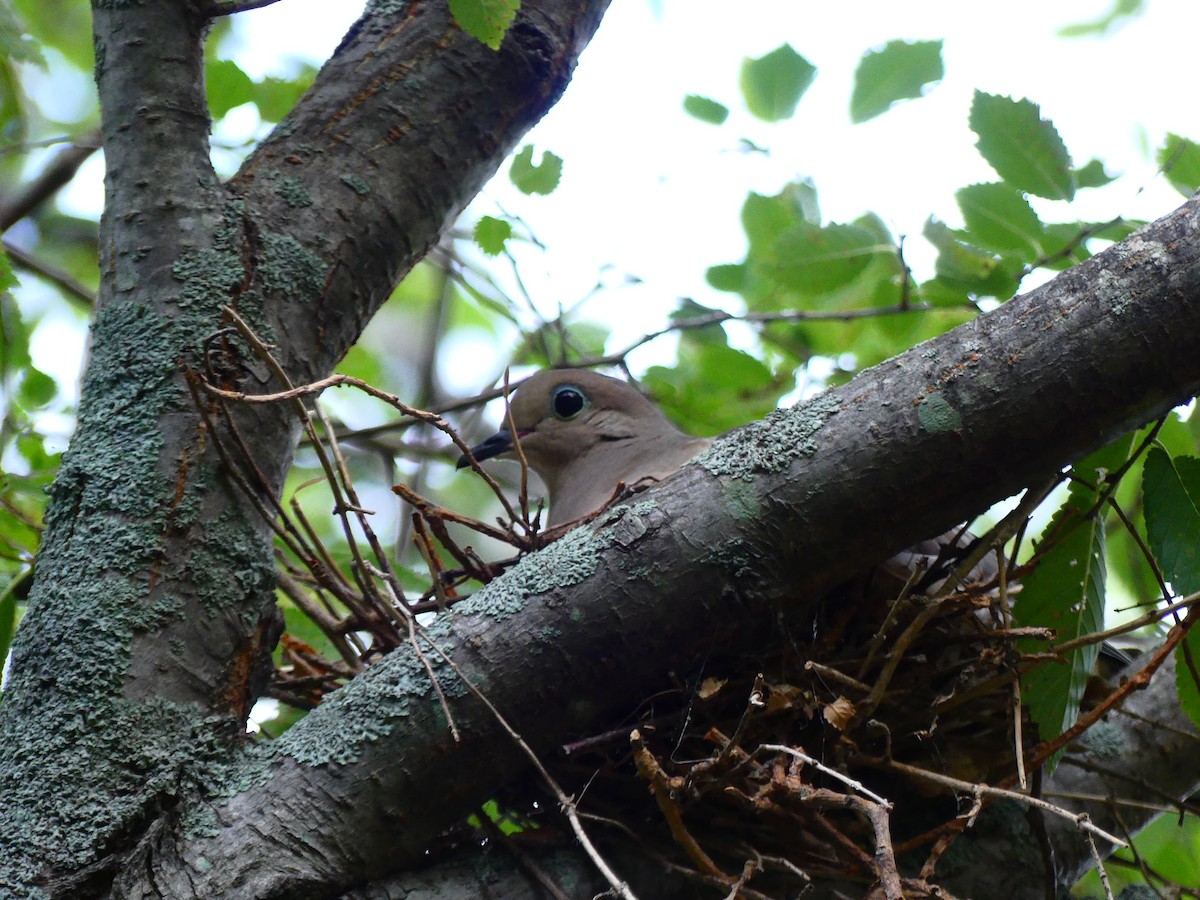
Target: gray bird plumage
x=585, y=434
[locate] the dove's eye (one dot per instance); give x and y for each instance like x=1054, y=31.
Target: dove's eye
x=567, y=401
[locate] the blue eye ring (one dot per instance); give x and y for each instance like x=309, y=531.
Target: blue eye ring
x=567, y=401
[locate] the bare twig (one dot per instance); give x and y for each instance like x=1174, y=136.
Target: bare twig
x=986, y=790
x=59, y=172
x=56, y=276
x=832, y=773
x=1084, y=821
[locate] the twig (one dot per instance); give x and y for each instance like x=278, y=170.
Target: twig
x=56, y=276
x=1097, y=637
x=232, y=7
x=1084, y=821
x=831, y=674
x=57, y=173
x=748, y=872
x=966, y=787
x=832, y=773
x=662, y=787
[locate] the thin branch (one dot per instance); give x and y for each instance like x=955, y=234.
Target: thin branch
x=232, y=7
x=966, y=787
x=57, y=174
x=60, y=278
x=832, y=773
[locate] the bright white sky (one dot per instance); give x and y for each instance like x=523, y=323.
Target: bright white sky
x=651, y=192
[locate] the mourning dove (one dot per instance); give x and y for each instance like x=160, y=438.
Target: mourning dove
x=585, y=434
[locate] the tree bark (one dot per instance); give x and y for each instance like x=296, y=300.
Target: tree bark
x=152, y=617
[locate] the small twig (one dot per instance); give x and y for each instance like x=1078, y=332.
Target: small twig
x=328, y=624
x=1084, y=821
x=382, y=558
x=748, y=872
x=832, y=773
x=662, y=787
x=1156, y=615
x=831, y=674
x=232, y=7
x=967, y=787
x=56, y=276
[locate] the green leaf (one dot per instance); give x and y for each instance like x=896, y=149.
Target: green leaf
x=14, y=337
x=228, y=86
x=1122, y=9
x=816, y=260
x=37, y=388
x=897, y=72
x=491, y=233
x=1093, y=175
x=7, y=279
x=1171, y=486
x=1023, y=148
x=540, y=179
x=729, y=277
x=275, y=97
x=16, y=43
x=764, y=218
x=956, y=259
x=1179, y=160
x=998, y=217
x=485, y=20
x=1185, y=681
x=772, y=85
x=705, y=110
x=1066, y=592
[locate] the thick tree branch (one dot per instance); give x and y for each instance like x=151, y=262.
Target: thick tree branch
x=153, y=614
x=756, y=528
x=387, y=166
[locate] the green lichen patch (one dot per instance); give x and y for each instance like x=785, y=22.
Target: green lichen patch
x=772, y=444
x=732, y=556
x=372, y=705
x=356, y=183
x=225, y=549
x=207, y=276
x=936, y=415
x=741, y=501
x=289, y=268
x=293, y=192
x=96, y=762
x=571, y=559
x=1105, y=741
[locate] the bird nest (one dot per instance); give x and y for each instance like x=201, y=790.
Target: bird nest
x=757, y=781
